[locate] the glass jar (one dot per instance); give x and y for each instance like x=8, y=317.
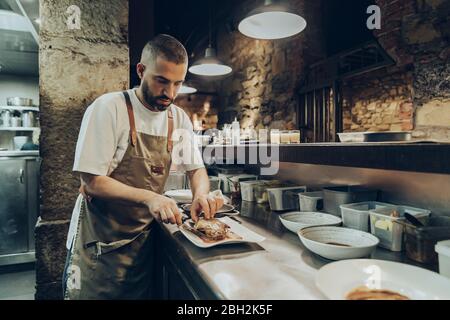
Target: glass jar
x=275, y=136
x=284, y=137
x=294, y=136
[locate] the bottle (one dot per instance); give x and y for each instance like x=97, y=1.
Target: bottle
x=236, y=132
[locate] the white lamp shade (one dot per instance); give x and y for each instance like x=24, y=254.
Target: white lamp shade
x=210, y=69
x=269, y=25
x=210, y=65
x=185, y=89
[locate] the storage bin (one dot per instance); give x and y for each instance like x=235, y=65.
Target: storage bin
x=311, y=201
x=260, y=190
x=387, y=224
x=248, y=189
x=356, y=215
x=420, y=241
x=443, y=249
x=333, y=197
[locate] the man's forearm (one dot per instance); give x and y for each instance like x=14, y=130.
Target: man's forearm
x=110, y=189
x=199, y=181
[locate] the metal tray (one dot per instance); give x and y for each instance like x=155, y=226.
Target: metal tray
x=375, y=136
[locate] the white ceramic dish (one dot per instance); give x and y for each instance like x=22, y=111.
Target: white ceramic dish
x=336, y=243
x=180, y=195
x=296, y=220
x=337, y=279
x=246, y=234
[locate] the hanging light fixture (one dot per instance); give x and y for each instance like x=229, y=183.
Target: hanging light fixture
x=272, y=21
x=186, y=89
x=210, y=65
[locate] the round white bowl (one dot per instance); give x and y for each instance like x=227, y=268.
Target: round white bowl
x=336, y=243
x=296, y=220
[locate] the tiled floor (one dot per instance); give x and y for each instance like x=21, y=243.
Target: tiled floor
x=17, y=283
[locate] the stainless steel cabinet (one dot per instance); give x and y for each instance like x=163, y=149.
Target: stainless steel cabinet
x=18, y=208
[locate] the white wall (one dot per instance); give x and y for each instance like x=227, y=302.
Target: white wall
x=19, y=86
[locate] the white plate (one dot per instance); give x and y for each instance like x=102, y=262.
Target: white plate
x=337, y=279
x=180, y=196
x=336, y=243
x=246, y=234
x=296, y=220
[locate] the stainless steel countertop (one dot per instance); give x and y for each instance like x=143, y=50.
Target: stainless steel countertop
x=280, y=267
x=10, y=153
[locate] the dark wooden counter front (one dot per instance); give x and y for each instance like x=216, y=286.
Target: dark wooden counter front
x=419, y=157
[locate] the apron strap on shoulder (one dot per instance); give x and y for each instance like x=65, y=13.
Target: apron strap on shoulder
x=133, y=134
x=169, y=129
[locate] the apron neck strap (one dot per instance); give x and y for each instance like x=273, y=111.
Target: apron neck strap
x=169, y=129
x=133, y=134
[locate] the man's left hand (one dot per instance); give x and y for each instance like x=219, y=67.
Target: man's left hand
x=207, y=204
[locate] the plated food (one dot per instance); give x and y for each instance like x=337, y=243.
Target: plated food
x=212, y=232
x=365, y=293
x=363, y=279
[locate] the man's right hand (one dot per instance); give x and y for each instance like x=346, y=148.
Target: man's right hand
x=164, y=209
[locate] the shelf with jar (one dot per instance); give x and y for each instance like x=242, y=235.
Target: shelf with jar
x=17, y=118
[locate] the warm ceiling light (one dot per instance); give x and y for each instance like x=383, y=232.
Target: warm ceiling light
x=271, y=21
x=185, y=89
x=210, y=65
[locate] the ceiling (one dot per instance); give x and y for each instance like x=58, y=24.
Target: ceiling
x=19, y=49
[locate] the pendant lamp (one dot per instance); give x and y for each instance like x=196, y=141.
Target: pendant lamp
x=272, y=21
x=210, y=65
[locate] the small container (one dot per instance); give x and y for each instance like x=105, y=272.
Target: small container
x=275, y=136
x=284, y=137
x=260, y=190
x=284, y=198
x=16, y=122
x=387, y=224
x=19, y=141
x=356, y=215
x=294, y=136
x=420, y=241
x=333, y=197
x=443, y=249
x=6, y=118
x=248, y=189
x=311, y=201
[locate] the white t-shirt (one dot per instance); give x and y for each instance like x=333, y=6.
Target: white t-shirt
x=104, y=138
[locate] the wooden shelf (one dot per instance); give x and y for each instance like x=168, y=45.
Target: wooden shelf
x=417, y=157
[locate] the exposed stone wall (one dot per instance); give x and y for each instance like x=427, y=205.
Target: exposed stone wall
x=415, y=93
x=75, y=66
x=266, y=74
x=378, y=102
x=201, y=108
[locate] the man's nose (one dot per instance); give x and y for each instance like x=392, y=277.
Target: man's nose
x=170, y=91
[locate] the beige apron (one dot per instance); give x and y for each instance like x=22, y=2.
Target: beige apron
x=112, y=254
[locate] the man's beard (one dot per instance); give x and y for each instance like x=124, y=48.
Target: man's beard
x=152, y=100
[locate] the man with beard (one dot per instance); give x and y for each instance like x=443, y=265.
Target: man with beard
x=123, y=156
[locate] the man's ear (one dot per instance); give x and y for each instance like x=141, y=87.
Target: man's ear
x=140, y=68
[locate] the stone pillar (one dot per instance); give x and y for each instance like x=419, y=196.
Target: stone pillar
x=78, y=62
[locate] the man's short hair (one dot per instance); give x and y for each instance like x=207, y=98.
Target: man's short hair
x=164, y=46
